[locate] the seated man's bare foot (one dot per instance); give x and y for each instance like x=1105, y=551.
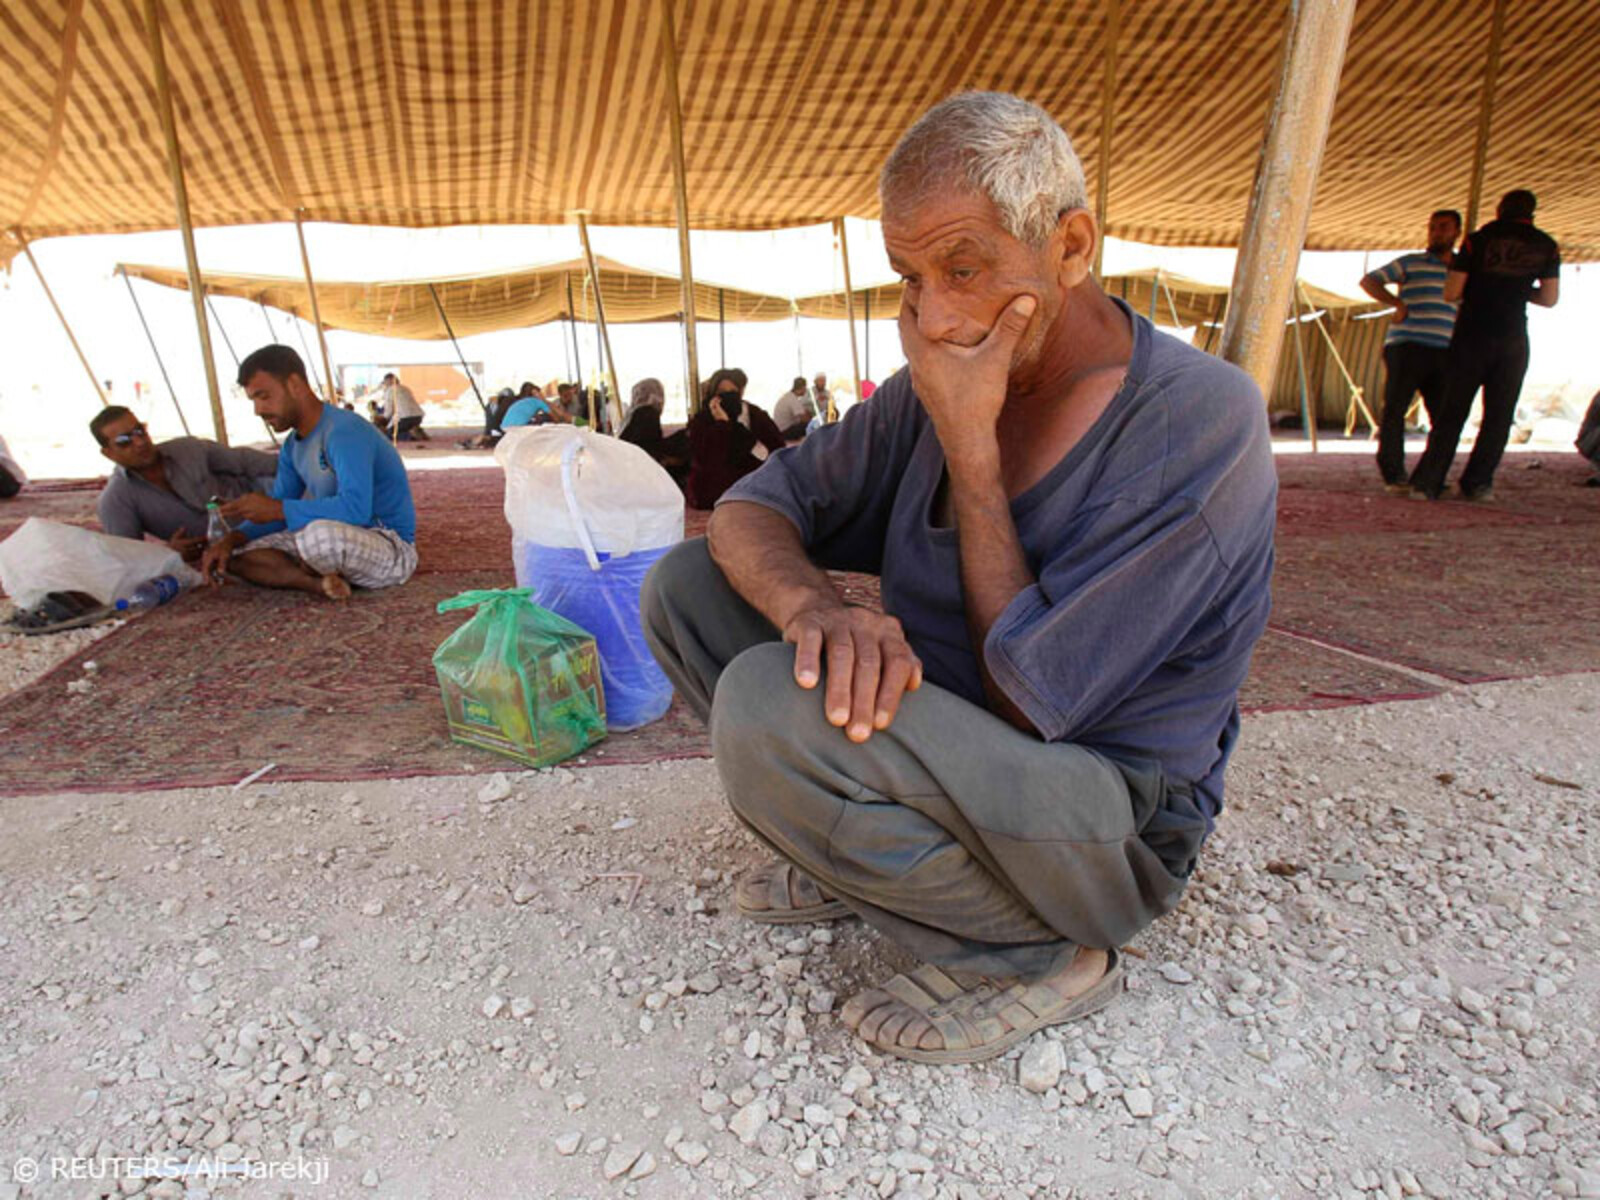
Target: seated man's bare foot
x=938, y=1016
x=335, y=587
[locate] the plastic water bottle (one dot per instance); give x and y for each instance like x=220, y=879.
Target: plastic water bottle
x=150, y=594
x=216, y=528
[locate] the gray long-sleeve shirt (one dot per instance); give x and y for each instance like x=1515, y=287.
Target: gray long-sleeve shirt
x=197, y=469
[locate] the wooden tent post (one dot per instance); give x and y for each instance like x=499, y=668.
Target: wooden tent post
x=60, y=316
x=722, y=327
x=332, y=392
x=1480, y=149
x=160, y=364
x=460, y=357
x=180, y=197
x=1286, y=177
x=1108, y=115
x=572, y=319
x=605, y=330
x=850, y=320
x=680, y=172
x=866, y=332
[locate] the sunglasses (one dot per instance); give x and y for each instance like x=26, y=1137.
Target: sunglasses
x=126, y=439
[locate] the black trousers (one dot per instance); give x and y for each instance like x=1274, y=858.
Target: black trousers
x=10, y=485
x=1497, y=365
x=1409, y=367
x=408, y=428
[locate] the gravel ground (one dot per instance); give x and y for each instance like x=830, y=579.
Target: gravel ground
x=1380, y=983
x=24, y=659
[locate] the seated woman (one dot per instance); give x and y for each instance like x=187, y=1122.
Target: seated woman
x=641, y=425
x=728, y=438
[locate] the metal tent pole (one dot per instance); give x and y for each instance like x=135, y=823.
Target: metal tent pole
x=850, y=319
x=331, y=392
x=1480, y=149
x=1108, y=115
x=180, y=196
x=866, y=332
x=680, y=171
x=1306, y=414
x=162, y=366
x=462, y=358
x=1286, y=177
x=605, y=330
x=234, y=354
x=60, y=316
x=272, y=334
x=300, y=328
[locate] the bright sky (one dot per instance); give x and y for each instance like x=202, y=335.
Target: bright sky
x=45, y=398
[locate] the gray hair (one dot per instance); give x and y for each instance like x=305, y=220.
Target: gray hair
x=999, y=146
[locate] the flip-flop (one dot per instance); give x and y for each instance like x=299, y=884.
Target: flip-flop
x=976, y=1017
x=60, y=611
x=777, y=894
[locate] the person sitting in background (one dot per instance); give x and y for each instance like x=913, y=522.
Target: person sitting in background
x=1588, y=442
x=533, y=409
x=162, y=490
x=399, y=402
x=821, y=397
x=641, y=425
x=728, y=438
x=12, y=476
x=340, y=512
x=494, y=413
x=793, y=411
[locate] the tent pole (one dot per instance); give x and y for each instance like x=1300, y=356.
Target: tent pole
x=226, y=340
x=680, y=173
x=615, y=410
x=332, y=396
x=799, y=349
x=722, y=327
x=162, y=366
x=850, y=320
x=180, y=197
x=300, y=329
x=60, y=316
x=466, y=370
x=577, y=354
x=1108, y=107
x=272, y=334
x=1286, y=177
x=1155, y=294
x=866, y=332
x=1305, y=390
x=1480, y=149
x=1358, y=395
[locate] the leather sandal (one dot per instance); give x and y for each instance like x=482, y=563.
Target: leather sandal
x=778, y=894
x=936, y=1016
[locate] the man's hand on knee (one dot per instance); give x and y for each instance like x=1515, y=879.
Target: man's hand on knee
x=870, y=665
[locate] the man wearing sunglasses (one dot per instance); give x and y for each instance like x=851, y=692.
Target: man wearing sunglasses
x=161, y=489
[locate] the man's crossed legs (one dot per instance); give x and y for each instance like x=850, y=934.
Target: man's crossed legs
x=1012, y=868
x=326, y=558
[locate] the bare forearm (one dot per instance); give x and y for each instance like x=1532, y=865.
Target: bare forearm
x=1378, y=290
x=761, y=554
x=993, y=567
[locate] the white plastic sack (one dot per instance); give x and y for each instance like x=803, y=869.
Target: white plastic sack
x=615, y=493
x=47, y=556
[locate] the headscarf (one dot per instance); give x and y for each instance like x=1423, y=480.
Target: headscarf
x=647, y=393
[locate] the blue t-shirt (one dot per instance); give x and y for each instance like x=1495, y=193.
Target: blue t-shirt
x=1430, y=318
x=1151, y=541
x=524, y=411
x=344, y=470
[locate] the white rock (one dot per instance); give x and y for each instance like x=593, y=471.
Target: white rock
x=1041, y=1065
x=567, y=1144
x=495, y=789
x=1173, y=973
x=493, y=1006
x=690, y=1153
x=805, y=1163
x=372, y=908
x=645, y=1166
x=1254, y=924
x=370, y=1178
x=747, y=1123
x=1467, y=1106
x=1139, y=1101
x=621, y=1159
x=344, y=1137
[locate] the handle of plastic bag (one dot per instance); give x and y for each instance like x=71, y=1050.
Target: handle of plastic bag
x=568, y=453
x=484, y=596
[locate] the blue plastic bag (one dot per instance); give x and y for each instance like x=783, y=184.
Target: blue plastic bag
x=604, y=602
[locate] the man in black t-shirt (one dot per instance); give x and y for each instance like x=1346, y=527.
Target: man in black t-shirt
x=1498, y=271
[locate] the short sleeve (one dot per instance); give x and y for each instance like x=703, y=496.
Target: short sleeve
x=1393, y=271
x=838, y=486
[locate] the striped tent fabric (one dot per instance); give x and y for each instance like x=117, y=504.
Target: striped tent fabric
x=481, y=303
x=441, y=112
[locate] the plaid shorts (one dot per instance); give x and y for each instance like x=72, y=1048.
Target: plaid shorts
x=368, y=558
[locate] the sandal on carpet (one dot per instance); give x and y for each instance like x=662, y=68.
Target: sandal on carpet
x=777, y=894
x=60, y=611
x=937, y=1016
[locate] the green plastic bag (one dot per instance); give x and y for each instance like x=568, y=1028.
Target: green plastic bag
x=520, y=680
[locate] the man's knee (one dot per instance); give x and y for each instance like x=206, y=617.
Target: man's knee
x=761, y=723
x=322, y=545
x=677, y=580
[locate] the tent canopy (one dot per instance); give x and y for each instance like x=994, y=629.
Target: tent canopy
x=443, y=112
x=481, y=303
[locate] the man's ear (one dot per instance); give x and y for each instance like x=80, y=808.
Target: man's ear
x=106, y=450
x=1073, y=244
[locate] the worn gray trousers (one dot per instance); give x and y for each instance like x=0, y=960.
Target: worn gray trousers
x=969, y=843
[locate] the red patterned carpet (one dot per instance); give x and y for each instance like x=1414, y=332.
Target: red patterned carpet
x=213, y=687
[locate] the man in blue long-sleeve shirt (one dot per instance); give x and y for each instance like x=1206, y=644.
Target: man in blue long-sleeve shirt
x=340, y=513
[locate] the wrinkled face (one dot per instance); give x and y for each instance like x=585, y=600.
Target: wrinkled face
x=961, y=268
x=277, y=401
x=128, y=444
x=1442, y=233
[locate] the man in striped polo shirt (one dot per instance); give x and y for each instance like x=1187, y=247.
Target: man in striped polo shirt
x=1418, y=342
